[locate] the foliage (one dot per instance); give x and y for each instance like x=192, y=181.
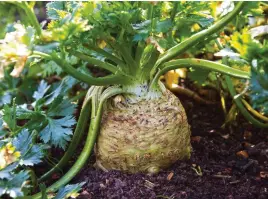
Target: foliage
x=130, y=44
x=259, y=80
x=22, y=147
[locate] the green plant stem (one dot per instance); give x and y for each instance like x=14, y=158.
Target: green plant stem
x=90, y=141
x=32, y=17
x=43, y=191
x=80, y=95
x=254, y=112
x=96, y=62
x=14, y=119
x=146, y=68
x=106, y=54
x=100, y=81
x=199, y=63
x=196, y=38
x=78, y=134
x=126, y=54
x=174, y=11
x=240, y=105
x=139, y=51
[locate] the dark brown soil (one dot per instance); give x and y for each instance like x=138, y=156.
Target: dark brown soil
x=229, y=163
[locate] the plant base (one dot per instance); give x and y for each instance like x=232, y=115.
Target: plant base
x=145, y=136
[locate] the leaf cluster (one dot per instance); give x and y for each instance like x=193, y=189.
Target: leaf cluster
x=28, y=131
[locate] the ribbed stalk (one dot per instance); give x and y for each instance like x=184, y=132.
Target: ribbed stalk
x=106, y=54
x=117, y=78
x=254, y=112
x=90, y=141
x=196, y=38
x=78, y=134
x=30, y=15
x=96, y=62
x=241, y=107
x=199, y=63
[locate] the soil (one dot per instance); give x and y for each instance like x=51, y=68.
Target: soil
x=230, y=163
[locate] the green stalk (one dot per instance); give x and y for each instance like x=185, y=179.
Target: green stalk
x=145, y=70
x=32, y=17
x=199, y=63
x=126, y=54
x=200, y=36
x=100, y=81
x=125, y=50
x=29, y=13
x=96, y=62
x=118, y=50
x=13, y=115
x=106, y=54
x=78, y=134
x=139, y=51
x=80, y=95
x=254, y=112
x=174, y=11
x=90, y=141
x=240, y=105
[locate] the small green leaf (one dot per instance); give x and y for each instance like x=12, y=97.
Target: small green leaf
x=58, y=131
x=61, y=107
x=13, y=186
x=52, y=9
x=69, y=191
x=163, y=26
x=198, y=75
x=51, y=68
x=31, y=153
x=42, y=89
x=141, y=36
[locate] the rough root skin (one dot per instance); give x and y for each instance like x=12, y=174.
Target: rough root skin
x=146, y=136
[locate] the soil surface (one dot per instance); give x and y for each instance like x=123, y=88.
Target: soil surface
x=230, y=163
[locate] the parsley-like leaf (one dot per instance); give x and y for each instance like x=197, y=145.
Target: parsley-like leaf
x=58, y=131
x=61, y=107
x=69, y=191
x=30, y=153
x=13, y=186
x=41, y=91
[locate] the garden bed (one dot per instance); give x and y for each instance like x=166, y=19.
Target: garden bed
x=225, y=170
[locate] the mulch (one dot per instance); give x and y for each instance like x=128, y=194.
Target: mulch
x=230, y=163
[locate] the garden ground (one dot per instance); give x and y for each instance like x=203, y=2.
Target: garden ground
x=225, y=163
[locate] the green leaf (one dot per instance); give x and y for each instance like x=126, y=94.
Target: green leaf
x=53, y=95
x=51, y=68
x=52, y=9
x=9, y=117
x=41, y=91
x=6, y=172
x=68, y=190
x=259, y=90
x=256, y=54
x=58, y=131
x=205, y=22
x=31, y=153
x=143, y=25
x=141, y=36
x=198, y=75
x=5, y=97
x=13, y=186
x=61, y=107
x=163, y=26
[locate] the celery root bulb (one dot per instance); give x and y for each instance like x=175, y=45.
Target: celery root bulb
x=145, y=136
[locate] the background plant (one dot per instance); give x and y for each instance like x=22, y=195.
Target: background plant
x=132, y=48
